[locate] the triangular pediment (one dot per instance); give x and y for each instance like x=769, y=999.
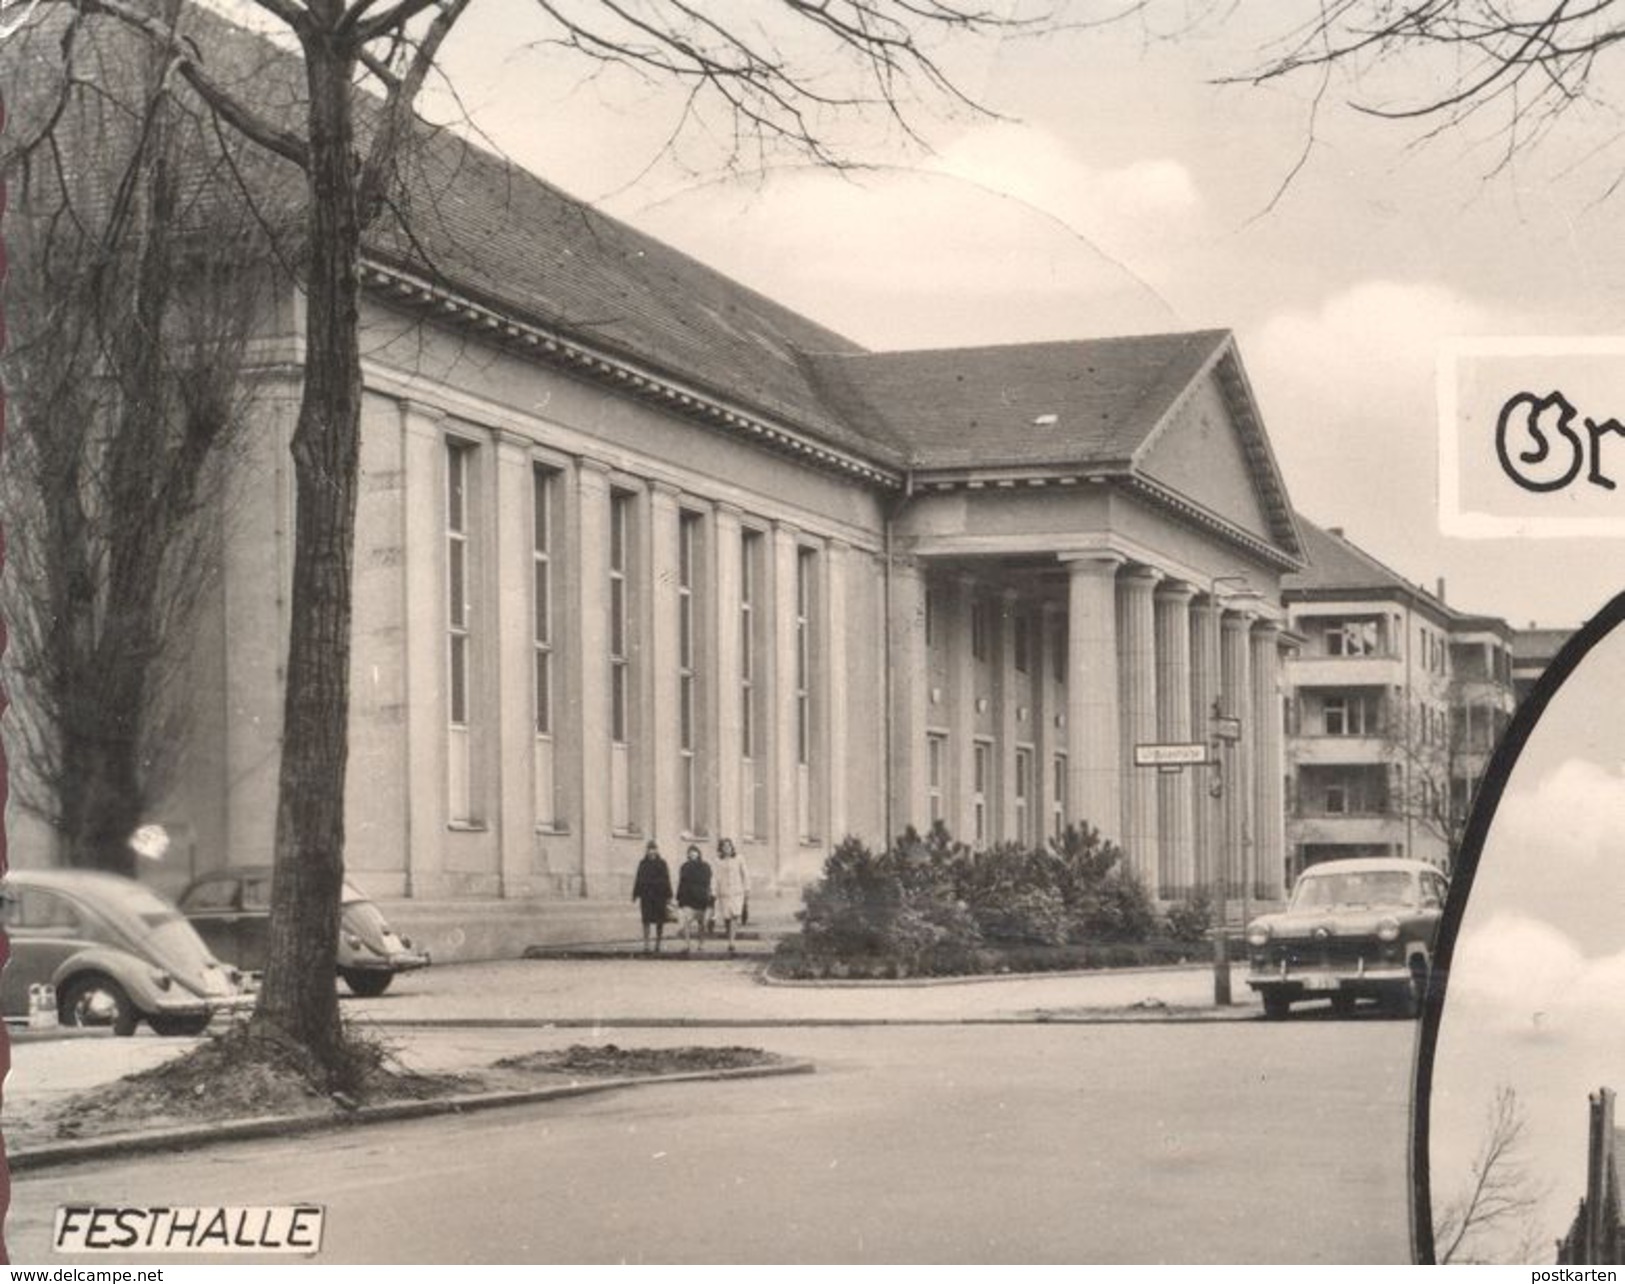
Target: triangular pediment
x=1210, y=450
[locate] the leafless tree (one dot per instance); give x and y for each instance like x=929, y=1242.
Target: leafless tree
x=124, y=394
x=1494, y=1211
x=780, y=74
x=1439, y=746
x=1517, y=71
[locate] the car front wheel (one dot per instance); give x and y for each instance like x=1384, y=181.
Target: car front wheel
x=1407, y=1003
x=369, y=985
x=1276, y=1006
x=96, y=1001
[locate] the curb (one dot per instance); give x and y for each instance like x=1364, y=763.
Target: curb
x=979, y=978
x=1170, y=1015
x=199, y=1135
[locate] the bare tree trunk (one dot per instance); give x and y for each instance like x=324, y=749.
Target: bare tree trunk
x=300, y=997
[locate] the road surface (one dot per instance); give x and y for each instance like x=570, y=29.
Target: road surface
x=1234, y=1142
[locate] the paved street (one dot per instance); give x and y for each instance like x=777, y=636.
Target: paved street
x=1227, y=1142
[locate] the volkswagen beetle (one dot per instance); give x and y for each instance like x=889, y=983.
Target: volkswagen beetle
x=231, y=909
x=1354, y=929
x=116, y=952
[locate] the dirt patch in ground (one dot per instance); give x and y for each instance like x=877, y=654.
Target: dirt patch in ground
x=236, y=1076
x=239, y=1075
x=608, y=1059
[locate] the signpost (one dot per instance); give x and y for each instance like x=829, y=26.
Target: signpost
x=1181, y=755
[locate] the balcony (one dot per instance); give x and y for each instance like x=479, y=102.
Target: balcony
x=1345, y=829
x=1346, y=671
x=1335, y=751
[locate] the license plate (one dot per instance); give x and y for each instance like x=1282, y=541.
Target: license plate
x=1320, y=982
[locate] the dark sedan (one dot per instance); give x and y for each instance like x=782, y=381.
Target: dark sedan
x=1354, y=929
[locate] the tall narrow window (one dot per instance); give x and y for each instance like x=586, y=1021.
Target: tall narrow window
x=459, y=629
x=936, y=749
x=749, y=556
x=979, y=628
x=620, y=663
x=1024, y=794
x=543, y=482
x=1057, y=795
x=1057, y=649
x=621, y=571
x=753, y=764
x=805, y=689
x=930, y=618
x=1023, y=642
x=688, y=539
x=804, y=589
x=981, y=783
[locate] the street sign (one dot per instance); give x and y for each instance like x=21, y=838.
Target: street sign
x=1226, y=728
x=1170, y=755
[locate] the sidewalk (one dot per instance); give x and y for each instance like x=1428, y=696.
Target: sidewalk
x=670, y=988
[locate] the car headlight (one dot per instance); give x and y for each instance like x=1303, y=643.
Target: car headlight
x=1258, y=934
x=1388, y=930
x=162, y=980
x=354, y=942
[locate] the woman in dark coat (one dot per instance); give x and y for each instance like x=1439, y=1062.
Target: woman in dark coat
x=652, y=890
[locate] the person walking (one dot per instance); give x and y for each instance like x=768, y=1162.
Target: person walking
x=733, y=887
x=651, y=888
x=693, y=896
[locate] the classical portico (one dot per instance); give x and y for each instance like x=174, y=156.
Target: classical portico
x=1075, y=610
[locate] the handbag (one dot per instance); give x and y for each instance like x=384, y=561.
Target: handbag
x=671, y=911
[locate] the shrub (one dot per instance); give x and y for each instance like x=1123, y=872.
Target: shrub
x=1105, y=901
x=1189, y=920
x=899, y=908
x=1014, y=896
x=929, y=905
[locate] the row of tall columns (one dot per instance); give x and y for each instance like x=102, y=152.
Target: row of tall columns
x=1219, y=828
x=1150, y=660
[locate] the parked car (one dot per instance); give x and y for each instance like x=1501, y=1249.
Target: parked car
x=117, y=953
x=231, y=909
x=1354, y=929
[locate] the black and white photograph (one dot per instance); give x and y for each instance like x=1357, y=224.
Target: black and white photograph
x=810, y=631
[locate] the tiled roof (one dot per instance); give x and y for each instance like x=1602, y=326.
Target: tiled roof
x=1335, y=563
x=1082, y=402
x=1538, y=646
x=467, y=222
x=464, y=218
x=503, y=236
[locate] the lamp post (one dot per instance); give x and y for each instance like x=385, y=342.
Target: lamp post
x=1226, y=790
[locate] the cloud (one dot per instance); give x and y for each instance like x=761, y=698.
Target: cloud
x=1131, y=208
x=1573, y=816
x=1517, y=974
x=928, y=255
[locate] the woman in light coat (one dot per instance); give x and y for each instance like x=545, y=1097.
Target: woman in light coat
x=731, y=886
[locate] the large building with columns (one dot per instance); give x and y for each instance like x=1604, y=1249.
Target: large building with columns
x=644, y=555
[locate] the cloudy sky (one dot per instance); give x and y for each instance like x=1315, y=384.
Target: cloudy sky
x=1537, y=988
x=1124, y=190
